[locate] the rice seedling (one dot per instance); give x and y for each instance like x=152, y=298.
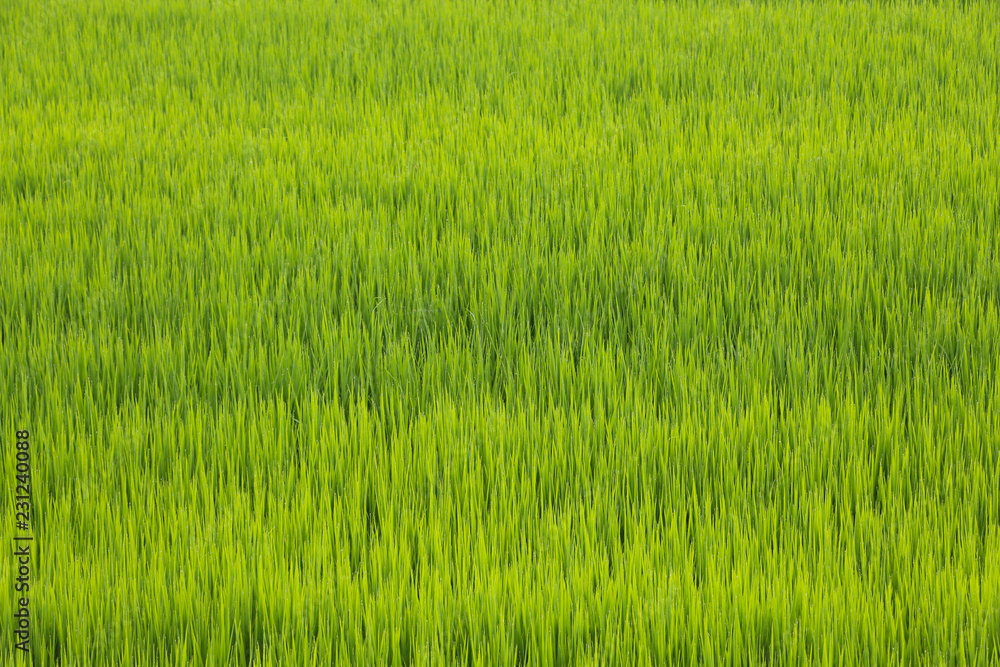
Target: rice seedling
x=518, y=332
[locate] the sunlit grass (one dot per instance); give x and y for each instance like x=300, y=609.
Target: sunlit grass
x=496, y=333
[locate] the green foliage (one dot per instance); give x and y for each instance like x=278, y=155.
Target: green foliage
x=519, y=332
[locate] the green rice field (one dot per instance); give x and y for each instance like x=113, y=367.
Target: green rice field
x=501, y=332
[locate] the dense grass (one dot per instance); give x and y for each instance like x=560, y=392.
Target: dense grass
x=488, y=333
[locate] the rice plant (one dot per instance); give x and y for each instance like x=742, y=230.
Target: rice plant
x=502, y=332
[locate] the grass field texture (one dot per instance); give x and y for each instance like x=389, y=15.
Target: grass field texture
x=499, y=333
